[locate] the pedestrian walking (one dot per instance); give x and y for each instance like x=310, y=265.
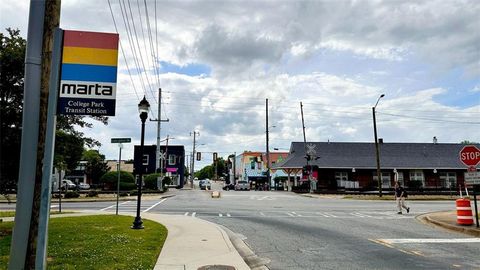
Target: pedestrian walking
x=400, y=196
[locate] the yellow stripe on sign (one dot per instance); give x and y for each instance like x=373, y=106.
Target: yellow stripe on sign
x=90, y=56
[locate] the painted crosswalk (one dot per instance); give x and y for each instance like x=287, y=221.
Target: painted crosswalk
x=294, y=214
x=131, y=206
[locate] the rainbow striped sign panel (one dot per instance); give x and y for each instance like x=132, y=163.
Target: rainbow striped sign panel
x=88, y=82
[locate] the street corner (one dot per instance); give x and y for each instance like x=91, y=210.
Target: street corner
x=448, y=220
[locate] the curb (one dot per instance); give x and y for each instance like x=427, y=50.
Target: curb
x=251, y=259
x=425, y=218
x=92, y=200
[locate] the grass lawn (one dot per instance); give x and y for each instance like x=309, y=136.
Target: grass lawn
x=96, y=242
x=12, y=213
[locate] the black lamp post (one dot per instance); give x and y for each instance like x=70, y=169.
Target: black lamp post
x=143, y=108
x=377, y=154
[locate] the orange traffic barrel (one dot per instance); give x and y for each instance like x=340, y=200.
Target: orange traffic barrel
x=464, y=212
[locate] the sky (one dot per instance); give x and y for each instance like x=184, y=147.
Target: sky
x=218, y=61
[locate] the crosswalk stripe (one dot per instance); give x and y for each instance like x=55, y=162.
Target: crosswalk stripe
x=228, y=215
x=429, y=240
x=220, y=214
x=290, y=214
x=111, y=206
x=186, y=213
x=194, y=214
x=151, y=207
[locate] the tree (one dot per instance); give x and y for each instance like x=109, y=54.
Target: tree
x=96, y=166
x=468, y=142
x=12, y=57
x=68, y=149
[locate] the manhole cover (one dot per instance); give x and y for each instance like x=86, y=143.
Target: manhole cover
x=216, y=267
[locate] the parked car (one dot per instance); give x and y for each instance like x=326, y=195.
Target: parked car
x=83, y=186
x=242, y=185
x=68, y=184
x=229, y=187
x=205, y=184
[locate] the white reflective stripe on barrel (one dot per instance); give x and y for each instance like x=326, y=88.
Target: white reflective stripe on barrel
x=464, y=208
x=465, y=217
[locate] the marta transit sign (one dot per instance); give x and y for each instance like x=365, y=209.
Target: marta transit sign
x=88, y=73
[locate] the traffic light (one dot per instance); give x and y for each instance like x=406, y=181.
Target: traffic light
x=199, y=156
x=215, y=156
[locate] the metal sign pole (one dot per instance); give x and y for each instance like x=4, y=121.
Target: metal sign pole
x=120, y=145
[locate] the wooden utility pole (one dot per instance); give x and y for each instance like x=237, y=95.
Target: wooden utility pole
x=51, y=21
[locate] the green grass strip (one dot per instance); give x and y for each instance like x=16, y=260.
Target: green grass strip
x=96, y=242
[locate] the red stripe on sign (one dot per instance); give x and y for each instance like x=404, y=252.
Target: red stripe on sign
x=90, y=40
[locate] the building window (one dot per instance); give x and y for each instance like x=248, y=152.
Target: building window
x=171, y=159
x=417, y=175
x=341, y=178
x=448, y=179
x=145, y=160
x=386, y=183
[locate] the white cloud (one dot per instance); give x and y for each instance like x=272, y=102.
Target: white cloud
x=248, y=45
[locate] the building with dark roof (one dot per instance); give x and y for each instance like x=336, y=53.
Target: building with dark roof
x=173, y=164
x=353, y=165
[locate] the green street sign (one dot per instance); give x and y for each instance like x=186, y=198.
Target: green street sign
x=121, y=140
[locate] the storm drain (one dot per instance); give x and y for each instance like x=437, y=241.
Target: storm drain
x=217, y=267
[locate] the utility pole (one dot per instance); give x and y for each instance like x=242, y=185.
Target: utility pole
x=195, y=133
x=377, y=152
x=234, y=167
x=44, y=18
x=307, y=155
x=268, y=148
x=159, y=124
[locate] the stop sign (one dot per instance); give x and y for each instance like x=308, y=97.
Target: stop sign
x=470, y=155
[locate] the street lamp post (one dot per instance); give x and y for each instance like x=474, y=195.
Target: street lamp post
x=377, y=154
x=143, y=108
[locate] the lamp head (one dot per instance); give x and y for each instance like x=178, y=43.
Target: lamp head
x=143, y=108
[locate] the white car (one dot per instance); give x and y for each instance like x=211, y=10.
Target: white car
x=83, y=186
x=68, y=184
x=242, y=185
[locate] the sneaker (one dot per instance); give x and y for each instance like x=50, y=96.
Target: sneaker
x=399, y=213
x=408, y=210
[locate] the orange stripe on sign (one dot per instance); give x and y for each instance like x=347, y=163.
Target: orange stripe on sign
x=90, y=40
x=90, y=56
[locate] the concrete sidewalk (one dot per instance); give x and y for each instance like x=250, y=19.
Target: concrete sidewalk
x=448, y=220
x=193, y=243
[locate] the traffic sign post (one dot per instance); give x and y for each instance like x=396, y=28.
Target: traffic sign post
x=120, y=146
x=470, y=156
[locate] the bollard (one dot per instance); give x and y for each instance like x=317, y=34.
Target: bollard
x=464, y=212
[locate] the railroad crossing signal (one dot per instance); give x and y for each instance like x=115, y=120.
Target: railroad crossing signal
x=199, y=156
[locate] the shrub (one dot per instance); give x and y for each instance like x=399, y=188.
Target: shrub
x=110, y=180
x=92, y=193
x=72, y=194
x=151, y=181
x=123, y=194
x=127, y=186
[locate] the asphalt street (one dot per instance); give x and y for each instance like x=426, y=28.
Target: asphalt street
x=297, y=232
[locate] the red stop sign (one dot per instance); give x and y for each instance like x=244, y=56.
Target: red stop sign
x=470, y=155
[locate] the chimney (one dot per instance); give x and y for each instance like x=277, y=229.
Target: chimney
x=380, y=140
x=435, y=140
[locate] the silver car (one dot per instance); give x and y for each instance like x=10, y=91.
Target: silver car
x=242, y=185
x=205, y=184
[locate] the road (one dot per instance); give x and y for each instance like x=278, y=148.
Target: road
x=297, y=232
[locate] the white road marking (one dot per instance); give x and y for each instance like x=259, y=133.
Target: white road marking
x=220, y=214
x=290, y=214
x=54, y=206
x=228, y=215
x=429, y=240
x=111, y=206
x=151, y=207
x=262, y=214
x=194, y=214
x=186, y=213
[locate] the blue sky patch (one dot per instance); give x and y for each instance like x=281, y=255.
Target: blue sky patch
x=190, y=69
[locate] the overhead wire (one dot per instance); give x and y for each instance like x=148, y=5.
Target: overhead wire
x=123, y=53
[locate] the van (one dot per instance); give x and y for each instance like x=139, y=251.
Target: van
x=242, y=185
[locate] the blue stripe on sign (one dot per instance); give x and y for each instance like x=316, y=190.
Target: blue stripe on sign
x=90, y=73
